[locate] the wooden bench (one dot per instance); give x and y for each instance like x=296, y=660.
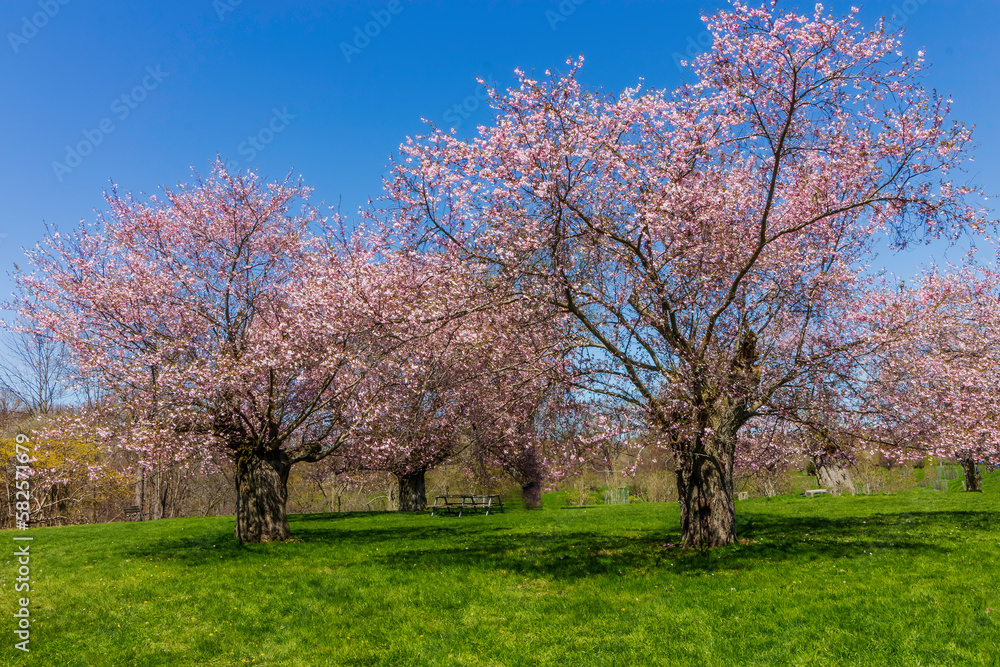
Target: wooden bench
x=133, y=513
x=811, y=493
x=457, y=504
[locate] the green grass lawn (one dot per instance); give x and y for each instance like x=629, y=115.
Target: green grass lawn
x=871, y=580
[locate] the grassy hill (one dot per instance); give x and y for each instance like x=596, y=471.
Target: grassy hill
x=869, y=580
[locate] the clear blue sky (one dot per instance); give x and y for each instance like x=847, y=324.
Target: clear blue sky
x=158, y=88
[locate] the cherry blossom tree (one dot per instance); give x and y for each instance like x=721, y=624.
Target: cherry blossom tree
x=708, y=241
x=471, y=361
x=422, y=420
x=936, y=393
x=520, y=426
x=763, y=454
x=820, y=422
x=218, y=324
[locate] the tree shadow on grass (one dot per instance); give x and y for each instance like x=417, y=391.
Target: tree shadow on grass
x=335, y=516
x=569, y=553
x=203, y=545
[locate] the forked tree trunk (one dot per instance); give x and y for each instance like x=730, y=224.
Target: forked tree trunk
x=261, y=495
x=973, y=480
x=705, y=470
x=705, y=492
x=833, y=474
x=412, y=495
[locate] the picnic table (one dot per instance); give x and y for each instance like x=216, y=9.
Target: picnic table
x=459, y=503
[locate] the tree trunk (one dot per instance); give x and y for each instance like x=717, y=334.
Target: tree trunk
x=705, y=490
x=973, y=480
x=705, y=470
x=833, y=474
x=157, y=504
x=140, y=493
x=165, y=487
x=261, y=494
x=531, y=494
x=528, y=468
x=412, y=495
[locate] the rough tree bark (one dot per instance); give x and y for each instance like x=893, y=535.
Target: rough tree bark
x=261, y=495
x=529, y=471
x=705, y=492
x=705, y=466
x=973, y=480
x=531, y=494
x=412, y=494
x=832, y=473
